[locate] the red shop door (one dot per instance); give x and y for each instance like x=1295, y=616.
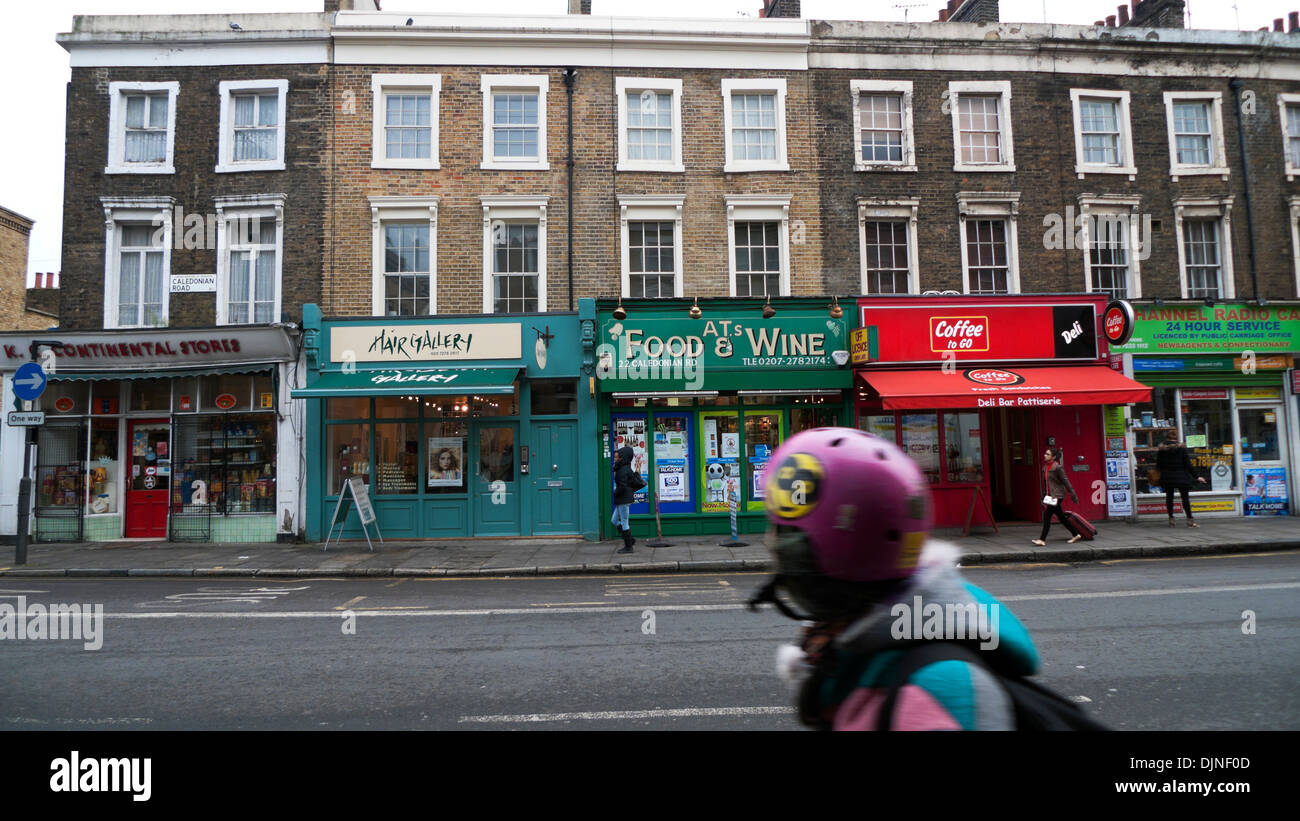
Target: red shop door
x=1078, y=434
x=148, y=485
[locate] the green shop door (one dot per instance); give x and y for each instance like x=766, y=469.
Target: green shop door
x=553, y=473
x=496, y=481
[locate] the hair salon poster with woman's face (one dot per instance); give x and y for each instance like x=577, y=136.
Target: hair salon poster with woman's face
x=446, y=457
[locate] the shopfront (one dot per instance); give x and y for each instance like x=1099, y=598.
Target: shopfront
x=180, y=435
x=464, y=426
x=704, y=401
x=975, y=390
x=1219, y=380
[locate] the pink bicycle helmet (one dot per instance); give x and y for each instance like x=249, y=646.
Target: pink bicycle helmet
x=849, y=513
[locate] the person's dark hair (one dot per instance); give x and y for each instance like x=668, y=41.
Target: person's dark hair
x=1171, y=435
x=455, y=463
x=1056, y=453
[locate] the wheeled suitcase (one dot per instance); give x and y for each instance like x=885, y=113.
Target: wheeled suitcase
x=1081, y=525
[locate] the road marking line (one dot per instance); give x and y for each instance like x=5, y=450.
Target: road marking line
x=569, y=604
x=1172, y=591
x=347, y=605
x=624, y=715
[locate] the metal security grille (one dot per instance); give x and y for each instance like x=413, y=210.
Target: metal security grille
x=191, y=510
x=60, y=483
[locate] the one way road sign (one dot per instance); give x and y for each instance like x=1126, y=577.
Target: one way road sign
x=29, y=381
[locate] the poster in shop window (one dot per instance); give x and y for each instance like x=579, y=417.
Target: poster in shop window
x=1265, y=492
x=672, y=480
x=631, y=433
x=446, y=461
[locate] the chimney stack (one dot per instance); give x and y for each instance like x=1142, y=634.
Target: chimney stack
x=1278, y=22
x=780, y=8
x=971, y=11
x=1162, y=14
x=1123, y=15
x=1294, y=19
x=579, y=6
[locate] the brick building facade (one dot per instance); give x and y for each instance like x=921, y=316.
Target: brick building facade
x=15, y=230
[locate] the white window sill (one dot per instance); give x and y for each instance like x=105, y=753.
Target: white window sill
x=745, y=168
x=665, y=168
x=424, y=165
x=503, y=165
x=234, y=168
x=1196, y=171
x=1002, y=167
x=134, y=327
x=1131, y=171
x=140, y=168
x=883, y=167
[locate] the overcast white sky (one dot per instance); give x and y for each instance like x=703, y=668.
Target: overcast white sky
x=36, y=70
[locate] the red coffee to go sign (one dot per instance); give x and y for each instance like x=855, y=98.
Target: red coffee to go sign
x=959, y=333
x=993, y=376
x=225, y=401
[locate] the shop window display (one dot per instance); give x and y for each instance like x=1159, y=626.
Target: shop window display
x=1207, y=432
x=446, y=454
x=1151, y=422
x=397, y=458
x=964, y=447
x=102, y=470
x=226, y=464
x=65, y=397
x=349, y=455
x=920, y=441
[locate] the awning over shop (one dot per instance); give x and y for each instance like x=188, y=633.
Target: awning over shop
x=1004, y=387
x=412, y=382
x=90, y=376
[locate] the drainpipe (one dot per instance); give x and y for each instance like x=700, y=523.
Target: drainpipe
x=570, y=74
x=1235, y=85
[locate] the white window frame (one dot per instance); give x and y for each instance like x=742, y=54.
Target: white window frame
x=638, y=208
x=771, y=86
x=759, y=208
x=1127, y=164
x=117, y=93
x=1219, y=162
x=230, y=211
x=156, y=211
x=877, y=210
x=904, y=90
x=1219, y=208
x=623, y=85
x=1293, y=203
x=429, y=85
x=1002, y=88
x=1003, y=205
x=1091, y=205
x=401, y=209
x=226, y=140
x=492, y=83
x=1283, y=100
x=514, y=209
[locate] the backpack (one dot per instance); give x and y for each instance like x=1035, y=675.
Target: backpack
x=1036, y=707
x=634, y=481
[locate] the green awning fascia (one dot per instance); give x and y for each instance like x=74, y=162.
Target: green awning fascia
x=91, y=376
x=412, y=382
x=810, y=380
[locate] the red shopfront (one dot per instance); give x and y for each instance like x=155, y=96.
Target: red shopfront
x=976, y=388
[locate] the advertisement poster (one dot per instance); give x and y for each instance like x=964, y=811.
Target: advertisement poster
x=672, y=480
x=631, y=433
x=721, y=479
x=1266, y=492
x=730, y=445
x=1117, y=467
x=1119, y=501
x=446, y=462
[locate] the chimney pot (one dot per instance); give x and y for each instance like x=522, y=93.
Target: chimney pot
x=1099, y=23
x=1294, y=19
x=1277, y=24
x=943, y=15
x=1110, y=22
x=1123, y=15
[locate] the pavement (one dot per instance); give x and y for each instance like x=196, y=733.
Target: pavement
x=560, y=556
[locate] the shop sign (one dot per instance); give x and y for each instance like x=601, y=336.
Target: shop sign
x=1295, y=381
x=1113, y=418
x=861, y=341
x=993, y=376
x=64, y=404
x=677, y=348
x=186, y=402
x=1117, y=322
x=225, y=401
x=1198, y=506
x=1259, y=393
x=1217, y=364
x=985, y=332
x=1221, y=393
x=1205, y=329
x=149, y=350
x=425, y=342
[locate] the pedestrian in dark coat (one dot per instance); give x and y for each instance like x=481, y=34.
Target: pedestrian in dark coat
x=1176, y=472
x=624, y=495
x=1058, y=485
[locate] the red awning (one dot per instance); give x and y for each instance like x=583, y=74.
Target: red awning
x=1004, y=387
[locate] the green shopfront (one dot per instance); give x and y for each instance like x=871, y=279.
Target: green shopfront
x=704, y=402
x=459, y=426
x=1219, y=379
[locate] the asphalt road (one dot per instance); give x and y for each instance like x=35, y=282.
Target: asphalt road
x=1153, y=644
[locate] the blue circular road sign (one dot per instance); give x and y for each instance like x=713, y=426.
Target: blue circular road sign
x=29, y=381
